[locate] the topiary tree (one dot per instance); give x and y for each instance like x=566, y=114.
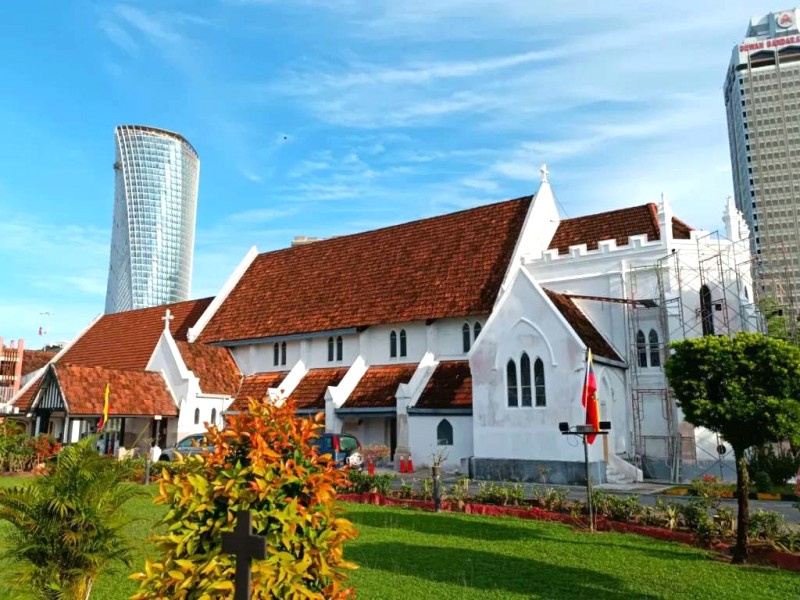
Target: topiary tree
x=263, y=462
x=745, y=388
x=66, y=526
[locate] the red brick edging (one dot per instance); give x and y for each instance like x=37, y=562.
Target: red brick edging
x=783, y=560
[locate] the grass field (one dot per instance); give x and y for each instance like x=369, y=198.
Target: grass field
x=406, y=554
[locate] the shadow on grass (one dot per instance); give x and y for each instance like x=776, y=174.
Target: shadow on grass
x=468, y=527
x=488, y=571
x=451, y=524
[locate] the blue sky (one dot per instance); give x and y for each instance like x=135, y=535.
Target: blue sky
x=328, y=117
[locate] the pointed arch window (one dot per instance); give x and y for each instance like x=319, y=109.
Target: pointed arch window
x=655, y=350
x=477, y=330
x=641, y=348
x=213, y=416
x=403, y=346
x=283, y=353
x=330, y=349
x=197, y=416
x=339, y=348
x=444, y=433
x=525, y=380
x=705, y=311
x=511, y=383
x=465, y=337
x=538, y=380
x=275, y=354
x=393, y=345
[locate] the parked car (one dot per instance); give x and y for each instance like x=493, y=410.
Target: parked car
x=186, y=447
x=345, y=448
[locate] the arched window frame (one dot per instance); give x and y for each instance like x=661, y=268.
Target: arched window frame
x=706, y=311
x=539, y=383
x=403, y=344
x=512, y=391
x=330, y=349
x=477, y=330
x=275, y=354
x=655, y=348
x=339, y=348
x=525, y=381
x=393, y=344
x=213, y=416
x=641, y=349
x=466, y=340
x=283, y=353
x=197, y=416
x=444, y=433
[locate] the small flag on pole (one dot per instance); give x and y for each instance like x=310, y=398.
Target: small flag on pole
x=104, y=417
x=589, y=399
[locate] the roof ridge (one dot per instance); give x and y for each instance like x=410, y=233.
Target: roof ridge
x=350, y=236
x=153, y=308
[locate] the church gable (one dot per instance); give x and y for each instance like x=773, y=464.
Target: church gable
x=447, y=266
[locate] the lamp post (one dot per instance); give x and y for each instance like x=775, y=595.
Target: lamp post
x=583, y=431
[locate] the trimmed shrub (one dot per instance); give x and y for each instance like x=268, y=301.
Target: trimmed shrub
x=361, y=483
x=262, y=462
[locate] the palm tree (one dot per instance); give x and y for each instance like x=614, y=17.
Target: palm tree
x=66, y=526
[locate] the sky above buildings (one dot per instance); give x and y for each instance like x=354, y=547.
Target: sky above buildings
x=328, y=117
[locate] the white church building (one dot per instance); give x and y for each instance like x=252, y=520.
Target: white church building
x=463, y=335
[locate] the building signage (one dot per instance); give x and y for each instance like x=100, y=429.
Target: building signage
x=768, y=44
x=784, y=20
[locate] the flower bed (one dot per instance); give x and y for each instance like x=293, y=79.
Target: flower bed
x=784, y=560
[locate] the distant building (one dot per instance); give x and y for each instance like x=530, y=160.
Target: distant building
x=17, y=367
x=762, y=98
x=155, y=205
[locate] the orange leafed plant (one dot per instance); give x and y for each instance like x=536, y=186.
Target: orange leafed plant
x=262, y=462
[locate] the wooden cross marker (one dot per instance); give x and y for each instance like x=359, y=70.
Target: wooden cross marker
x=246, y=546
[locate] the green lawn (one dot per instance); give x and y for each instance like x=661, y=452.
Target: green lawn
x=406, y=554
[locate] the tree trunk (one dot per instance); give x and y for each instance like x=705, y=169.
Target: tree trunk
x=743, y=519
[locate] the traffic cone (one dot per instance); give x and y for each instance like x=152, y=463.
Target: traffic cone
x=402, y=464
x=410, y=465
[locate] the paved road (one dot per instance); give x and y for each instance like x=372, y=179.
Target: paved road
x=648, y=495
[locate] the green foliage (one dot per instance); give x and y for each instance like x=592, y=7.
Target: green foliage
x=16, y=451
x=618, y=508
x=66, y=525
x=360, y=482
x=770, y=469
x=504, y=494
x=767, y=525
x=746, y=388
x=262, y=462
x=459, y=491
x=550, y=498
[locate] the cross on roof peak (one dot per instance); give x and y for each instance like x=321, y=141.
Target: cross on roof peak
x=544, y=173
x=167, y=318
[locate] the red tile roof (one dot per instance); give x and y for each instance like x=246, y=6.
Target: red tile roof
x=24, y=400
x=616, y=225
x=255, y=387
x=581, y=324
x=214, y=366
x=126, y=340
x=400, y=273
x=33, y=360
x=310, y=392
x=378, y=386
x=450, y=386
x=133, y=393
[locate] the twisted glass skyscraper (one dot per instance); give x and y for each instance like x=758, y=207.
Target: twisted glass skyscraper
x=155, y=206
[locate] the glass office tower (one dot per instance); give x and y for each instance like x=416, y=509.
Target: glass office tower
x=155, y=205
